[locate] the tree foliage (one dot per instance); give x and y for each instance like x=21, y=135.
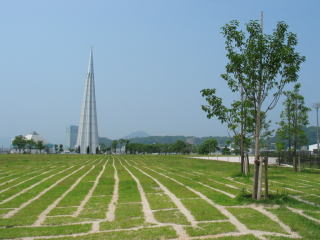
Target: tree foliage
x=208, y=146
x=19, y=142
x=259, y=66
x=294, y=119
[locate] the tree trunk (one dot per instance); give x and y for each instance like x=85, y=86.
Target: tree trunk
x=247, y=166
x=259, y=190
x=242, y=155
x=295, y=158
x=256, y=155
x=266, y=184
x=242, y=135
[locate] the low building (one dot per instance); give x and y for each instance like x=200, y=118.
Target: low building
x=313, y=147
x=35, y=137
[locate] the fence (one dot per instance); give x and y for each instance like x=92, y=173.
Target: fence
x=307, y=159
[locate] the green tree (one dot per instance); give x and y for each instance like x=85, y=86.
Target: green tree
x=225, y=150
x=123, y=143
x=103, y=148
x=294, y=119
x=40, y=145
x=238, y=119
x=56, y=148
x=19, y=142
x=60, y=148
x=260, y=65
x=180, y=147
x=30, y=144
x=114, y=145
x=208, y=146
x=126, y=142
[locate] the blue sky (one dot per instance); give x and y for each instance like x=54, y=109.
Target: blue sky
x=152, y=58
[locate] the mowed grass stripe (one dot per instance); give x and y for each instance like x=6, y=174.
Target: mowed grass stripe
x=201, y=210
x=148, y=215
x=215, y=196
x=156, y=197
x=187, y=214
x=97, y=205
x=43, y=215
x=255, y=220
x=28, y=211
x=93, y=210
x=110, y=214
x=23, y=193
x=18, y=176
x=128, y=191
x=75, y=197
x=166, y=210
x=15, y=197
x=128, y=209
x=91, y=190
x=20, y=232
x=306, y=228
x=151, y=233
x=24, y=179
x=27, y=185
x=9, y=177
x=216, y=186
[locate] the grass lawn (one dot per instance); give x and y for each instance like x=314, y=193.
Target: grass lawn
x=150, y=197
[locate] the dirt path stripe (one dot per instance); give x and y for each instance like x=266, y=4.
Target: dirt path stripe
x=6, y=189
x=89, y=195
x=43, y=215
x=21, y=175
x=148, y=214
x=173, y=198
x=23, y=205
x=205, y=185
x=274, y=218
x=304, y=201
x=110, y=214
x=33, y=186
x=241, y=227
x=300, y=212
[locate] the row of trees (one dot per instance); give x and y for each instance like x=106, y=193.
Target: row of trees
x=259, y=67
x=208, y=146
x=178, y=147
x=22, y=144
x=119, y=144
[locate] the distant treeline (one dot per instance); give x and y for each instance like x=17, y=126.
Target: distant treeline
x=311, y=135
x=153, y=143
x=222, y=141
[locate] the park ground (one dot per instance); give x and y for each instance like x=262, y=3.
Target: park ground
x=150, y=197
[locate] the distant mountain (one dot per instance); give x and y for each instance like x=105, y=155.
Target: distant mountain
x=171, y=139
x=137, y=134
x=105, y=141
x=310, y=131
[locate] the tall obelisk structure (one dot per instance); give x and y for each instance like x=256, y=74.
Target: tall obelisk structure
x=88, y=127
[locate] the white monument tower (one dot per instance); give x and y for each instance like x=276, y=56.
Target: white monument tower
x=87, y=139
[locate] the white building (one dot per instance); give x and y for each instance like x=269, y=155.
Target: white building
x=35, y=137
x=313, y=147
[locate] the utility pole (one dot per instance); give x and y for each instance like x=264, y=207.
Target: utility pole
x=317, y=106
x=261, y=21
